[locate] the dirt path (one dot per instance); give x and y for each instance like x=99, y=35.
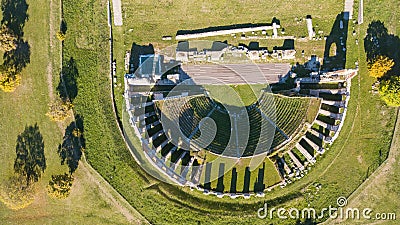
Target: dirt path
x=49, y=70
x=379, y=176
x=110, y=195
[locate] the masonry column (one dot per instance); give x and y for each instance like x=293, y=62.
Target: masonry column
x=275, y=30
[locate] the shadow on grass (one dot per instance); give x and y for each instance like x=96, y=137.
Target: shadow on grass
x=259, y=185
x=246, y=184
x=227, y=27
x=307, y=221
x=68, y=87
x=233, y=181
x=30, y=162
x=207, y=183
x=63, y=26
x=18, y=58
x=14, y=18
x=15, y=15
x=379, y=42
x=70, y=151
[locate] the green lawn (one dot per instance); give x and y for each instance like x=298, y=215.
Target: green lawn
x=27, y=106
x=146, y=22
x=165, y=204
x=235, y=95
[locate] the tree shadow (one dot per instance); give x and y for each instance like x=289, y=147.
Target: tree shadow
x=67, y=87
x=15, y=15
x=18, y=58
x=379, y=42
x=337, y=37
x=70, y=151
x=30, y=162
x=63, y=26
x=307, y=221
x=14, y=18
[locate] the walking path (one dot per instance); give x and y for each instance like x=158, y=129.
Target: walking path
x=379, y=177
x=361, y=12
x=117, y=11
x=110, y=195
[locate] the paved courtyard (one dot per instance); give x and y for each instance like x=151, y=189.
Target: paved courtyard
x=236, y=73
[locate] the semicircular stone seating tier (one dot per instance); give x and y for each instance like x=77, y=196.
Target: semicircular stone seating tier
x=284, y=114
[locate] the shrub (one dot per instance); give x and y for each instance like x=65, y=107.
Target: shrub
x=7, y=39
x=59, y=110
x=15, y=194
x=380, y=66
x=390, y=91
x=60, y=186
x=9, y=82
x=61, y=36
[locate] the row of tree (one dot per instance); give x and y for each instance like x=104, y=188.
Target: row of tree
x=73, y=145
x=16, y=50
x=9, y=78
x=383, y=59
x=30, y=163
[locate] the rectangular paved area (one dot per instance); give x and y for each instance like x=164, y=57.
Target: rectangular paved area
x=236, y=73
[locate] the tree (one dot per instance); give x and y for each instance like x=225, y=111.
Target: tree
x=7, y=39
x=30, y=161
x=380, y=66
x=61, y=36
x=59, y=110
x=9, y=82
x=390, y=91
x=60, y=186
x=70, y=151
x=15, y=194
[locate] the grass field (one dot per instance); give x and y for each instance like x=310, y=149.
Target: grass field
x=236, y=95
x=381, y=187
x=366, y=131
x=27, y=106
x=145, y=21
